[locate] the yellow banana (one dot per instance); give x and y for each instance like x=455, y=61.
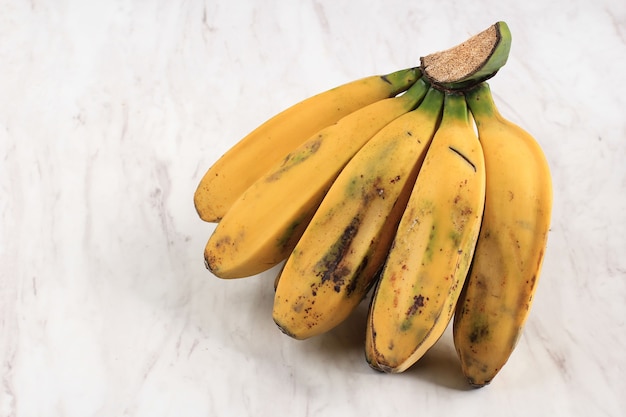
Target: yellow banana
x=263, y=225
x=431, y=253
x=265, y=146
x=336, y=260
x=497, y=296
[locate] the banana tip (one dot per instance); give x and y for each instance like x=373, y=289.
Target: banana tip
x=283, y=329
x=478, y=384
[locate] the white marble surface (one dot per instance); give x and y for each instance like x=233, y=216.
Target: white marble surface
x=111, y=111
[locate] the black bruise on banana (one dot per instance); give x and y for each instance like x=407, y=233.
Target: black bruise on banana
x=418, y=301
x=328, y=267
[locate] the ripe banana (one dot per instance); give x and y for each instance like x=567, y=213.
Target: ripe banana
x=336, y=260
x=497, y=296
x=265, y=146
x=431, y=253
x=264, y=224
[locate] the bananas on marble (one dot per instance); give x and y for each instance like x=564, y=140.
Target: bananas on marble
x=269, y=143
x=498, y=293
x=410, y=187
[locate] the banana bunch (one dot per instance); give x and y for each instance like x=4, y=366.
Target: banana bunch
x=410, y=187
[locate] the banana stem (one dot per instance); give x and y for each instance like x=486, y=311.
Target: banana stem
x=417, y=90
x=481, y=104
x=402, y=79
x=455, y=109
x=432, y=102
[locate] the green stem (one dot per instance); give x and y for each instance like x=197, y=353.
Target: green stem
x=455, y=109
x=481, y=104
x=403, y=79
x=417, y=91
x=432, y=102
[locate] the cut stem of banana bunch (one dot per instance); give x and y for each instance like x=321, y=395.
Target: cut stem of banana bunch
x=264, y=147
x=471, y=62
x=263, y=225
x=336, y=260
x=497, y=297
x=426, y=267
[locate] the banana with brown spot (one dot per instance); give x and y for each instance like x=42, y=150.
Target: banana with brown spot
x=496, y=300
x=335, y=262
x=431, y=253
x=264, y=224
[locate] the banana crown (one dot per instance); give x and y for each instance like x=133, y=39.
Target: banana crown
x=471, y=62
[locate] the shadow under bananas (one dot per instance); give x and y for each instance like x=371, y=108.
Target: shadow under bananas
x=441, y=366
x=343, y=347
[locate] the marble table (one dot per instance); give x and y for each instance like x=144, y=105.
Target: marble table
x=110, y=113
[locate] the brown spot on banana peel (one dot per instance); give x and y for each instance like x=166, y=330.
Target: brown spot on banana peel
x=211, y=259
x=212, y=262
x=358, y=278
x=224, y=241
x=418, y=301
x=328, y=268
